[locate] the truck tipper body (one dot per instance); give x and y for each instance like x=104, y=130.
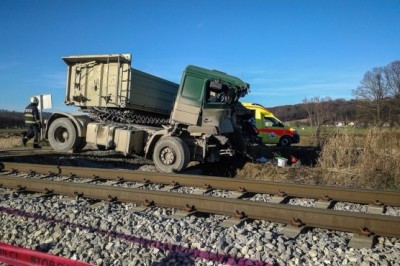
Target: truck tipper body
x=270, y=128
x=133, y=112
x=108, y=81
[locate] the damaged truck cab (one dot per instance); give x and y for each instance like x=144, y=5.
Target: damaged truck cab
x=125, y=109
x=205, y=108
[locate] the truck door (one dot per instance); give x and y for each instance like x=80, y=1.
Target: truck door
x=216, y=111
x=188, y=102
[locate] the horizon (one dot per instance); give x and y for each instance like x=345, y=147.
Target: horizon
x=287, y=51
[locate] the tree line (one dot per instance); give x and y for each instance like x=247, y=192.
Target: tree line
x=11, y=119
x=376, y=103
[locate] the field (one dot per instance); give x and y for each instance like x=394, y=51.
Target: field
x=349, y=157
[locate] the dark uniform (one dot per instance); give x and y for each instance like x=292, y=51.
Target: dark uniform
x=33, y=125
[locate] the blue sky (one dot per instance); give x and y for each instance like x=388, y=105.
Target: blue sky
x=286, y=50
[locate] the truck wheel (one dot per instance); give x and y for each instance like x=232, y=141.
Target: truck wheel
x=63, y=135
x=171, y=154
x=285, y=141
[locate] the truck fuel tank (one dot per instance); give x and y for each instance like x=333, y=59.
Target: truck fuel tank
x=127, y=141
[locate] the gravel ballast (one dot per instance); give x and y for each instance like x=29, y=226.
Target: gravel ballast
x=114, y=234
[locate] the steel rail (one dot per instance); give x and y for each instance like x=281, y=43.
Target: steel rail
x=364, y=196
x=312, y=217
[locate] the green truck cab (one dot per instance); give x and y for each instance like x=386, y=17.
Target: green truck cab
x=270, y=128
x=205, y=100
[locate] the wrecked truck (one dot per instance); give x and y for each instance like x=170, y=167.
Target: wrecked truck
x=133, y=112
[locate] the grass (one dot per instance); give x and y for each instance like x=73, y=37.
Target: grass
x=309, y=136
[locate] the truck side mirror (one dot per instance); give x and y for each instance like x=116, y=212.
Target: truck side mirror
x=215, y=85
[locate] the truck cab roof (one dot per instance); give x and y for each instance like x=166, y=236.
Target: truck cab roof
x=215, y=74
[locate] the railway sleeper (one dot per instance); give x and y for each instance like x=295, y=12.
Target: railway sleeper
x=375, y=209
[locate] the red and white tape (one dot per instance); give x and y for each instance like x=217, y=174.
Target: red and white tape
x=14, y=255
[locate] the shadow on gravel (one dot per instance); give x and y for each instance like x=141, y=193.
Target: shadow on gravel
x=89, y=158
x=176, y=259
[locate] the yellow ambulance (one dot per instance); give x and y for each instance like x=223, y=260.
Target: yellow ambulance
x=271, y=129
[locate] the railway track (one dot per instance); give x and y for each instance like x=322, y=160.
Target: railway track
x=373, y=222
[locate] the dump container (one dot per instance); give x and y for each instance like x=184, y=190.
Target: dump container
x=109, y=81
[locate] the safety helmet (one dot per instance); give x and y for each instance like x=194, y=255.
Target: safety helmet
x=34, y=100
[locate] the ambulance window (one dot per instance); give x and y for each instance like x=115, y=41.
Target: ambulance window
x=268, y=122
x=271, y=122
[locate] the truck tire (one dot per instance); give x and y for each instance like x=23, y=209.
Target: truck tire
x=171, y=154
x=285, y=141
x=63, y=135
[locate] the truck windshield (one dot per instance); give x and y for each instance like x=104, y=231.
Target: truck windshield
x=226, y=94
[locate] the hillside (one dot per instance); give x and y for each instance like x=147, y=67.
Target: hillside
x=335, y=111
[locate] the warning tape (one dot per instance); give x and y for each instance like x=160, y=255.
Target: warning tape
x=14, y=255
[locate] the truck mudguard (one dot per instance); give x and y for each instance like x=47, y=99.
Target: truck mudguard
x=80, y=121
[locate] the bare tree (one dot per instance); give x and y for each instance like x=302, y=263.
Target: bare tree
x=322, y=110
x=373, y=94
x=318, y=110
x=308, y=105
x=392, y=74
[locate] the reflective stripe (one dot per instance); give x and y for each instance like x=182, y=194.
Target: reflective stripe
x=279, y=132
x=31, y=115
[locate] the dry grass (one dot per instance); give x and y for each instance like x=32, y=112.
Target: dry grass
x=9, y=141
x=347, y=159
x=369, y=160
x=271, y=172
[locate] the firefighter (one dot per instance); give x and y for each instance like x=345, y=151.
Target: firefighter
x=32, y=123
